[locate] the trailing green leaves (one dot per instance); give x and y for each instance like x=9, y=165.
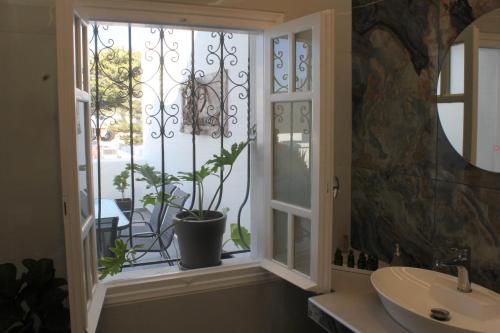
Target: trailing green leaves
x=156, y=180
x=113, y=265
x=235, y=237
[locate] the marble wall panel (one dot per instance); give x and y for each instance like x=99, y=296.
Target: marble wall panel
x=408, y=185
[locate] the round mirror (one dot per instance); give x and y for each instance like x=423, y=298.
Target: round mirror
x=468, y=93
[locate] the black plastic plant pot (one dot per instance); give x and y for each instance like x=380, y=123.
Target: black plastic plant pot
x=125, y=204
x=200, y=241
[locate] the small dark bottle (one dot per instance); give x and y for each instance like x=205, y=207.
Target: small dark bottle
x=372, y=263
x=338, y=260
x=350, y=259
x=362, y=260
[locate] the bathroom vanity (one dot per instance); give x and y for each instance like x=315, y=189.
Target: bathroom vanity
x=404, y=299
x=354, y=306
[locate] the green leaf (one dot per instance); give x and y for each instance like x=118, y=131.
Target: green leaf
x=121, y=180
x=39, y=273
x=227, y=157
x=113, y=265
x=235, y=236
x=9, y=284
x=199, y=175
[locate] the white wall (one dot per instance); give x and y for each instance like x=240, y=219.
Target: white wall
x=31, y=222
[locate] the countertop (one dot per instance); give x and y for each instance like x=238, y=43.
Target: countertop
x=354, y=304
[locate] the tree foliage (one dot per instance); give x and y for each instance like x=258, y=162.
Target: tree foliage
x=113, y=77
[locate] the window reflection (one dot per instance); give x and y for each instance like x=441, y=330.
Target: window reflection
x=292, y=153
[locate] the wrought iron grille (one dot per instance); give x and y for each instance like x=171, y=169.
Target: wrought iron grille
x=155, y=88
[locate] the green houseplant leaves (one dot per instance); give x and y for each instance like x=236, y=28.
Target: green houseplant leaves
x=35, y=302
x=156, y=180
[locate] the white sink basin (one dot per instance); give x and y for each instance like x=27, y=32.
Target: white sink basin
x=408, y=294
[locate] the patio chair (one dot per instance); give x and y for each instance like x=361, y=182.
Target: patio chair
x=163, y=243
x=141, y=226
x=106, y=232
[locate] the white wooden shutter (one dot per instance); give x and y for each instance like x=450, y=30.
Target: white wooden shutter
x=298, y=145
x=85, y=292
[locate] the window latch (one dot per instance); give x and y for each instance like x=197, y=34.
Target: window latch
x=252, y=134
x=336, y=187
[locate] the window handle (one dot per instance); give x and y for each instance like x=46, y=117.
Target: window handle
x=336, y=187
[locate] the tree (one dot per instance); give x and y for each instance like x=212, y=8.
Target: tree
x=112, y=73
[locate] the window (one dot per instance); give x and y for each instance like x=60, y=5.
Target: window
x=467, y=98
x=147, y=80
x=165, y=99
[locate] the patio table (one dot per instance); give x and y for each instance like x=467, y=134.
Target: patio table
x=109, y=208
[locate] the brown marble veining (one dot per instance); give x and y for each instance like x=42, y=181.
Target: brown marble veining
x=409, y=186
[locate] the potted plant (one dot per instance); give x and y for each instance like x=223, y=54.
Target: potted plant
x=154, y=180
x=37, y=301
x=121, y=184
x=199, y=230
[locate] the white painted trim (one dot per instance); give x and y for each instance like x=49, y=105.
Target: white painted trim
x=322, y=100
x=471, y=73
x=178, y=14
x=330, y=133
x=94, y=310
x=29, y=3
x=295, y=210
x=126, y=291
x=297, y=278
x=455, y=98
x=489, y=40
x=70, y=195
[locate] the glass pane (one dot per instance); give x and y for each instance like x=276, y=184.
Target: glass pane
x=457, y=66
x=281, y=55
x=438, y=88
x=302, y=244
x=488, y=115
x=292, y=153
x=303, y=59
x=82, y=160
x=280, y=236
x=451, y=116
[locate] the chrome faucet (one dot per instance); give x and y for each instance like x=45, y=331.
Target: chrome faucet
x=460, y=260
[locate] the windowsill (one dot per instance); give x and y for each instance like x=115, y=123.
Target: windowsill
x=161, y=282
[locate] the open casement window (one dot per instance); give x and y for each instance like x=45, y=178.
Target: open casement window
x=298, y=143
x=292, y=154
x=86, y=293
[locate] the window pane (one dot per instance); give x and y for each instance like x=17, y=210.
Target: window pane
x=451, y=116
x=292, y=153
x=488, y=139
x=82, y=160
x=280, y=236
x=280, y=64
x=438, y=88
x=303, y=58
x=302, y=244
x=457, y=66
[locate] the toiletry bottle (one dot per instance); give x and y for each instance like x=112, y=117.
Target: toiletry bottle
x=396, y=258
x=350, y=259
x=338, y=260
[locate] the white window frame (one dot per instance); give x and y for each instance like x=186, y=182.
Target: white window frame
x=158, y=283
x=473, y=40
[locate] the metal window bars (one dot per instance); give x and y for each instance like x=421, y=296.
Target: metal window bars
x=209, y=97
